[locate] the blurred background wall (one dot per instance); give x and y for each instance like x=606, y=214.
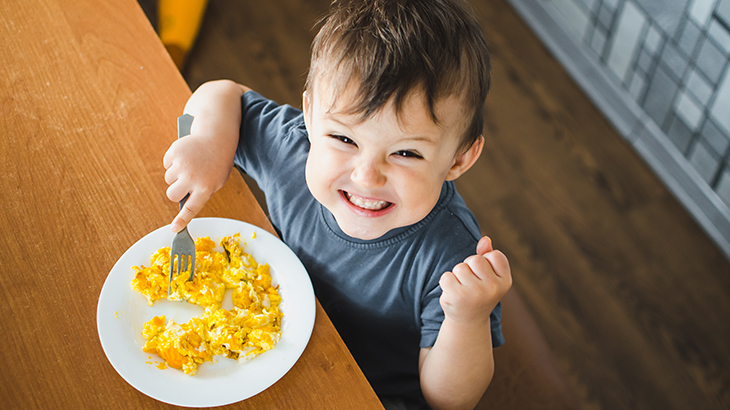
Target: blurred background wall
x=659, y=71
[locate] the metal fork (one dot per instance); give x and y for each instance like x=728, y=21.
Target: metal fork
x=182, y=245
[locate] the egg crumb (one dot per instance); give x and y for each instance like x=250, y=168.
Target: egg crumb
x=250, y=328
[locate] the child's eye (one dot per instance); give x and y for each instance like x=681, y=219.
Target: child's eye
x=344, y=139
x=408, y=154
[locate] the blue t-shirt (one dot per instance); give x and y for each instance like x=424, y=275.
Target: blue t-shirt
x=382, y=295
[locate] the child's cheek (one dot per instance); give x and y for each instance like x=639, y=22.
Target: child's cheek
x=320, y=173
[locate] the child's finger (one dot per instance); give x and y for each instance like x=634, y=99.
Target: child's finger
x=479, y=266
x=484, y=245
x=167, y=159
x=448, y=282
x=465, y=274
x=170, y=176
x=499, y=263
x=191, y=208
x=176, y=191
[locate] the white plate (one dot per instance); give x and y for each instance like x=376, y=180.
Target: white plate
x=122, y=312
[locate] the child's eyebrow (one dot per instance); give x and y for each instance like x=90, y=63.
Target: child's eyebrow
x=418, y=138
x=333, y=116
x=337, y=116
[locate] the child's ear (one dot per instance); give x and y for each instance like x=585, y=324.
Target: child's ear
x=463, y=161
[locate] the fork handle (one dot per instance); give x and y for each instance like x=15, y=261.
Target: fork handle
x=182, y=201
x=184, y=124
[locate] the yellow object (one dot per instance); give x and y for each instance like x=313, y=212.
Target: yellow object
x=178, y=26
x=252, y=327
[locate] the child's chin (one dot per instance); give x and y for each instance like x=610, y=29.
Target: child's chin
x=362, y=233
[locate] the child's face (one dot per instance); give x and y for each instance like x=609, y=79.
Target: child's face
x=387, y=171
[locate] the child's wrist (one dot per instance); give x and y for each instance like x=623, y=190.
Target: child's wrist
x=468, y=323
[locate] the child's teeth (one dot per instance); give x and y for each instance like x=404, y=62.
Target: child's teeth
x=364, y=203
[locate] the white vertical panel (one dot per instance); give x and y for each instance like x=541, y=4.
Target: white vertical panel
x=626, y=39
x=688, y=110
x=701, y=10
x=721, y=107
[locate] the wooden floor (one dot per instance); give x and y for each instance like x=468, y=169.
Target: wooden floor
x=631, y=295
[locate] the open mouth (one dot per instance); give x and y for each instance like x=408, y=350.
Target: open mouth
x=364, y=203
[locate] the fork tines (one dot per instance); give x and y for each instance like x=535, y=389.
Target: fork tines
x=180, y=265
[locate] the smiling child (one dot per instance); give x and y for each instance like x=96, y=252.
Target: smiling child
x=360, y=185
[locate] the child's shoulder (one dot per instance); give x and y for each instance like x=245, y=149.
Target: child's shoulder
x=451, y=214
x=260, y=112
x=451, y=231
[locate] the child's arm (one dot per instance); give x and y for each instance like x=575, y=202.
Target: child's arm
x=457, y=370
x=200, y=163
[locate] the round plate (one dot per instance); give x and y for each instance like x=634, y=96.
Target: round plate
x=122, y=312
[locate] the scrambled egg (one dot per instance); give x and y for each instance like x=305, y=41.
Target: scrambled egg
x=252, y=327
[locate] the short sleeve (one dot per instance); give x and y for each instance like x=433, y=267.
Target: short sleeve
x=263, y=138
x=496, y=321
x=432, y=315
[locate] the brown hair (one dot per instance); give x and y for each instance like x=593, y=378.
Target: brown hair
x=395, y=47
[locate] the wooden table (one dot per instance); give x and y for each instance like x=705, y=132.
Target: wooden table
x=89, y=104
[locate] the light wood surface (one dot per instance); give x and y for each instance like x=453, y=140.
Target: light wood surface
x=89, y=103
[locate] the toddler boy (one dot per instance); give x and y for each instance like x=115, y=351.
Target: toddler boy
x=359, y=185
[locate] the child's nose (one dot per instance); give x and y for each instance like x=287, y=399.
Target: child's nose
x=368, y=174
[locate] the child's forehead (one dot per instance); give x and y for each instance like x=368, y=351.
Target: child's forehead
x=337, y=96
